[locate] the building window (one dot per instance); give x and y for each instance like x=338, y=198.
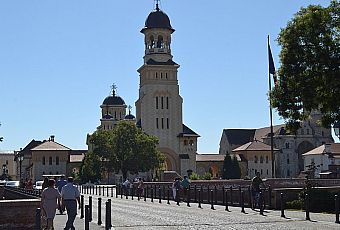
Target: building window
x=261, y=160
x=162, y=102
x=267, y=172
x=287, y=145
x=261, y=172
x=43, y=161
x=157, y=123
x=166, y=75
x=191, y=142
x=255, y=159
x=156, y=102
x=57, y=161
x=267, y=159
x=50, y=160
x=287, y=159
x=167, y=102
x=167, y=123
x=185, y=142
x=156, y=75
x=162, y=123
x=6, y=162
x=161, y=75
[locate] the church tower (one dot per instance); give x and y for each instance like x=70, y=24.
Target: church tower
x=159, y=107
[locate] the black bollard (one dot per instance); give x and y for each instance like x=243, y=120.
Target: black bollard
x=38, y=219
x=195, y=193
x=108, y=215
x=168, y=196
x=90, y=206
x=127, y=193
x=336, y=199
x=188, y=196
x=177, y=196
x=231, y=195
x=107, y=191
x=117, y=190
x=87, y=216
x=242, y=202
x=99, y=211
x=261, y=203
x=307, y=206
x=226, y=201
x=103, y=190
x=239, y=195
x=111, y=191
x=282, y=205
x=199, y=198
x=121, y=191
x=81, y=206
x=212, y=199
x=160, y=195
x=145, y=191
x=100, y=191
x=132, y=192
x=96, y=190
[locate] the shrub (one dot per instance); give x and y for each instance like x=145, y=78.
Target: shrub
x=206, y=176
x=194, y=176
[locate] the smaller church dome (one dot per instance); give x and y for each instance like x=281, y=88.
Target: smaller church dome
x=113, y=100
x=129, y=117
x=107, y=116
x=157, y=19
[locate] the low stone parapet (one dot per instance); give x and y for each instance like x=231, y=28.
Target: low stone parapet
x=18, y=214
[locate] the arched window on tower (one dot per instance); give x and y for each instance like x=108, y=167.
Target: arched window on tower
x=160, y=42
x=152, y=42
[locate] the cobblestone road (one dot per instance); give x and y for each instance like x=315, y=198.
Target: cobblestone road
x=134, y=214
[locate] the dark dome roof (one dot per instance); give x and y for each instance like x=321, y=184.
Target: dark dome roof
x=129, y=117
x=107, y=116
x=113, y=100
x=157, y=19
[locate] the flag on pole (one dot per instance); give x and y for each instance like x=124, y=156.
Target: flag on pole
x=271, y=64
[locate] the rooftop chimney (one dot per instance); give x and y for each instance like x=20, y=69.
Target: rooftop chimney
x=52, y=138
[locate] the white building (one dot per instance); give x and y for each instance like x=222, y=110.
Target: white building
x=323, y=161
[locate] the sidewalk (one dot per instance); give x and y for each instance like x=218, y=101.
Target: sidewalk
x=60, y=221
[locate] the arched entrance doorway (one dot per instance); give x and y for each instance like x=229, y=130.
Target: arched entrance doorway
x=171, y=162
x=303, y=147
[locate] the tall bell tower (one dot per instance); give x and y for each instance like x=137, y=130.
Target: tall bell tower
x=159, y=107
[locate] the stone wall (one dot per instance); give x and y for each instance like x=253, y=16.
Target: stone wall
x=18, y=214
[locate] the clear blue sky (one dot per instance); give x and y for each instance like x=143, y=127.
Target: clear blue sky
x=58, y=59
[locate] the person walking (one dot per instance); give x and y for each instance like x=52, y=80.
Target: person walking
x=49, y=198
x=176, y=186
x=185, y=185
x=45, y=184
x=69, y=197
x=255, y=189
x=140, y=187
x=60, y=184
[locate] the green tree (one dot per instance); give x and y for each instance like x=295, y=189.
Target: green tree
x=127, y=148
x=227, y=167
x=90, y=169
x=236, y=169
x=309, y=76
x=231, y=168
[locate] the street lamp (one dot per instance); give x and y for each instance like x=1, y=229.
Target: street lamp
x=20, y=158
x=336, y=128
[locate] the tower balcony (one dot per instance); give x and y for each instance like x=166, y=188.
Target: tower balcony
x=158, y=51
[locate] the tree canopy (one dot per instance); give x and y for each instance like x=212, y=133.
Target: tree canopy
x=231, y=168
x=127, y=148
x=309, y=75
x=90, y=169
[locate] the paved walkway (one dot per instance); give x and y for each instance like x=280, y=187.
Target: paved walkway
x=134, y=214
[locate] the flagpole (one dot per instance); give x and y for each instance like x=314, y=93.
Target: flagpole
x=271, y=123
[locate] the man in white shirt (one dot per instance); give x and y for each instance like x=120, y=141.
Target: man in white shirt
x=69, y=196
